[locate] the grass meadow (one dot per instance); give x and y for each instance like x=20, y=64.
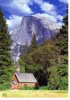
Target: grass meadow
x=34, y=94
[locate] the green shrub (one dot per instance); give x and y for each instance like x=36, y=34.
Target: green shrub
x=25, y=87
x=58, y=77
x=53, y=79
x=43, y=88
x=4, y=86
x=63, y=73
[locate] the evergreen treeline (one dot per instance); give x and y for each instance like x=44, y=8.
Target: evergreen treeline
x=5, y=55
x=49, y=61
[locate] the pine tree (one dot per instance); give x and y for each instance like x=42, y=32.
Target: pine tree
x=62, y=38
x=34, y=42
x=5, y=57
x=61, y=42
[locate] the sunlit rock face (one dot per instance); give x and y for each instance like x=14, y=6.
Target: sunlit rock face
x=39, y=25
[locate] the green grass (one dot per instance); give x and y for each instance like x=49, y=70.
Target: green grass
x=33, y=93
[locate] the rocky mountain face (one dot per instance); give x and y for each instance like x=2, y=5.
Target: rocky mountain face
x=41, y=26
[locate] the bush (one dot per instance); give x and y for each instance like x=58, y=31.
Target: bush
x=63, y=74
x=43, y=88
x=25, y=87
x=53, y=79
x=4, y=86
x=58, y=77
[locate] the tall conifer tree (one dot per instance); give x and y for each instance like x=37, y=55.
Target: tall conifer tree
x=5, y=57
x=62, y=38
x=34, y=42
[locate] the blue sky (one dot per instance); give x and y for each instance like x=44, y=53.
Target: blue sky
x=15, y=9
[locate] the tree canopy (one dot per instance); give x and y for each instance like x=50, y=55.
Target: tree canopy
x=5, y=55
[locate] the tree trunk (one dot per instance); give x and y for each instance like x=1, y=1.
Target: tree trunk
x=58, y=58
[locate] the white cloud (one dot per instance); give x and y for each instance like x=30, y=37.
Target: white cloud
x=22, y=6
x=48, y=8
x=18, y=6
x=26, y=9
x=38, y=1
x=63, y=1
x=13, y=21
x=22, y=1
